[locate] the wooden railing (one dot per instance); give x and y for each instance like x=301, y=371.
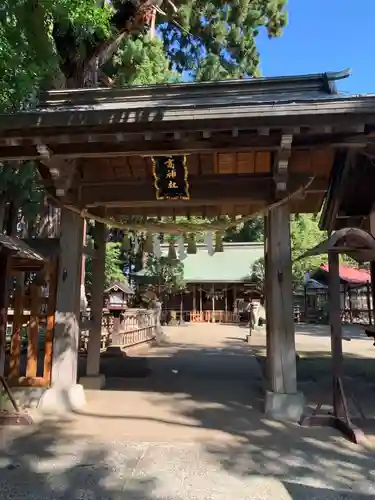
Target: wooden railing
x=214, y=317
x=136, y=326
x=29, y=336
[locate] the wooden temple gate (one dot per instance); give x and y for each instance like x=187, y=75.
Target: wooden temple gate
x=231, y=148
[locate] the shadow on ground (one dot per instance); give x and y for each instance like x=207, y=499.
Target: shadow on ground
x=220, y=389
x=214, y=391
x=50, y=463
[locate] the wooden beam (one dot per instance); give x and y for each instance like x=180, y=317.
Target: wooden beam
x=158, y=144
x=319, y=185
x=52, y=136
x=204, y=190
x=144, y=147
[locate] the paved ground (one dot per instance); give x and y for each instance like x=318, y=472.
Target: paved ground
x=192, y=429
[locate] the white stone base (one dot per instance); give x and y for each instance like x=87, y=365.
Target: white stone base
x=63, y=399
x=284, y=406
x=93, y=382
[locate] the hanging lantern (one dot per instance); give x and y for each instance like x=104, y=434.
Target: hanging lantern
x=148, y=243
x=191, y=245
x=126, y=243
x=210, y=243
x=219, y=242
x=172, y=251
x=181, y=249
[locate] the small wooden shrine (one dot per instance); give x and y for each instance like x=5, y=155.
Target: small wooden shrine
x=116, y=296
x=355, y=293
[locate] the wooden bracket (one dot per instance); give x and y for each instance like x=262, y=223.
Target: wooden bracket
x=62, y=171
x=282, y=163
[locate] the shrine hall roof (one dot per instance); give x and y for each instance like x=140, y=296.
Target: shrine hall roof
x=153, y=104
x=348, y=274
x=233, y=265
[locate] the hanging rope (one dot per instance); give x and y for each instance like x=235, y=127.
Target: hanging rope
x=182, y=227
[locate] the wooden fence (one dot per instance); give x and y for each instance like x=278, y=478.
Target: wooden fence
x=214, y=317
x=134, y=327
x=30, y=330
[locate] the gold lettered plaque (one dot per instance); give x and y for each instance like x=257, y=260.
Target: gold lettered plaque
x=171, y=177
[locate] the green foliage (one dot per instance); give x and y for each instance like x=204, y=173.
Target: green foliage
x=217, y=39
x=113, y=265
x=305, y=234
x=140, y=61
x=209, y=39
x=20, y=184
x=258, y=271
x=252, y=230
x=166, y=274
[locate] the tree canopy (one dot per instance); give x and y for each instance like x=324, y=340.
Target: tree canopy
x=73, y=43
x=210, y=39
x=166, y=274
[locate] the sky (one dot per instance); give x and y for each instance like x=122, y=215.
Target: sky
x=324, y=36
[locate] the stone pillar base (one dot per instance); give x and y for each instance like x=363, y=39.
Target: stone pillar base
x=63, y=399
x=93, y=382
x=284, y=406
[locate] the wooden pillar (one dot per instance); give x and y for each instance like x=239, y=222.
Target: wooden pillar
x=181, y=307
x=200, y=300
x=83, y=298
x=267, y=293
x=93, y=379
x=65, y=393
x=336, y=328
x=372, y=266
x=350, y=303
x=116, y=330
x=194, y=299
x=4, y=260
x=282, y=399
x=213, y=303
x=226, y=304
x=368, y=301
